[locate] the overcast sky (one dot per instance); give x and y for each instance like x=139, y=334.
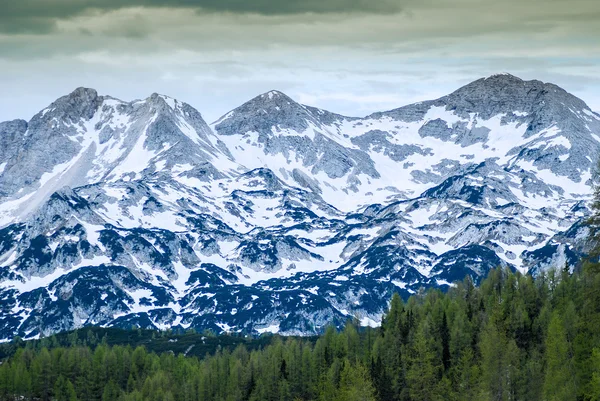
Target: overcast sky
x=348, y=56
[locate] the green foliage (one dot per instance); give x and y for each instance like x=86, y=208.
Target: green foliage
x=513, y=338
x=355, y=384
x=64, y=390
x=594, y=389
x=425, y=368
x=560, y=379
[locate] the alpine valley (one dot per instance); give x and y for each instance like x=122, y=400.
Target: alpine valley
x=281, y=217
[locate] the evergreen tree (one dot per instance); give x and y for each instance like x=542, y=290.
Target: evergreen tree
x=559, y=383
x=111, y=392
x=42, y=375
x=594, y=388
x=355, y=384
x=493, y=369
x=425, y=368
x=64, y=390
x=445, y=337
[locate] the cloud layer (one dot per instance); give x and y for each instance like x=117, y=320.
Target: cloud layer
x=42, y=16
x=350, y=56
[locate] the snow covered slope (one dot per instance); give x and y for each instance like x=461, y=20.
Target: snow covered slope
x=281, y=217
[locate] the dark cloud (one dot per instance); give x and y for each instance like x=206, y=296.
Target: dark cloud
x=26, y=25
x=40, y=16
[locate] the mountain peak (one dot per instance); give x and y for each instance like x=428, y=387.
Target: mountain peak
x=274, y=94
x=506, y=93
x=503, y=76
x=83, y=93
x=261, y=113
x=507, y=85
x=80, y=99
x=82, y=103
x=487, y=96
x=498, y=82
x=162, y=102
x=272, y=98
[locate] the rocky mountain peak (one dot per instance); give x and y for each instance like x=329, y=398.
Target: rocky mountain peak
x=82, y=103
x=274, y=110
x=83, y=93
x=262, y=113
x=161, y=102
x=271, y=99
x=275, y=96
x=505, y=93
x=503, y=76
x=498, y=94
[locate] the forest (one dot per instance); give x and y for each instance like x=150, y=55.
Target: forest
x=512, y=338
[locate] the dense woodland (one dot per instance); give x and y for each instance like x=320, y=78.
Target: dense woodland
x=511, y=338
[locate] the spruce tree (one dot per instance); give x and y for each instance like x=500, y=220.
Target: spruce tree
x=559, y=384
x=64, y=390
x=355, y=384
x=594, y=388
x=425, y=367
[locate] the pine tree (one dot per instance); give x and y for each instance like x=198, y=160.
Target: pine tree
x=381, y=380
x=493, y=369
x=445, y=337
x=559, y=383
x=355, y=384
x=594, y=387
x=42, y=375
x=64, y=390
x=465, y=375
x=111, y=392
x=425, y=368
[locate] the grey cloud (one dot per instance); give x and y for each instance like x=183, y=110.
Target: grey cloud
x=26, y=25
x=41, y=16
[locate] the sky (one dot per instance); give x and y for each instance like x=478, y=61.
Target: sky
x=351, y=57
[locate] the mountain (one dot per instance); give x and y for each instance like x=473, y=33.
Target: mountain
x=280, y=217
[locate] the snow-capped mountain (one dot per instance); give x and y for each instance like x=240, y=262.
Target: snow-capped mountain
x=281, y=217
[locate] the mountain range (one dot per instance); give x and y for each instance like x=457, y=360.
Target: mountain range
x=281, y=217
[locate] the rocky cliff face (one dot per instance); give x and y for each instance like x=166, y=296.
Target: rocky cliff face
x=281, y=217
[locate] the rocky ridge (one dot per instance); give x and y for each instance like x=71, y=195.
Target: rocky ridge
x=281, y=217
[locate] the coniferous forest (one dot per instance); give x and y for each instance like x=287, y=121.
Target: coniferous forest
x=511, y=338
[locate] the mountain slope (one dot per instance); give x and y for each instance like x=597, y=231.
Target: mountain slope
x=84, y=138
x=281, y=217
